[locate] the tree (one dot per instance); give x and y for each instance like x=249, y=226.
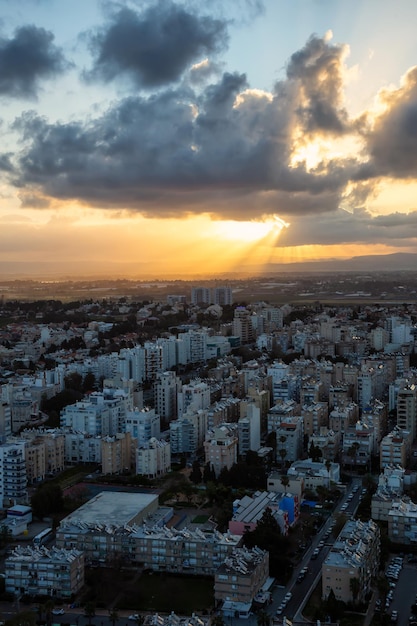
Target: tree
x=353, y=452
x=328, y=467
x=113, y=616
x=208, y=473
x=89, y=382
x=196, y=475
x=47, y=499
x=263, y=619
x=314, y=452
x=89, y=612
x=285, y=481
x=218, y=620
x=73, y=381
x=355, y=587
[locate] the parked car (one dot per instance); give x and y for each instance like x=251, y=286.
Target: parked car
x=58, y=612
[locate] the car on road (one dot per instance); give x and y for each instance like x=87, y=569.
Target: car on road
x=288, y=596
x=134, y=617
x=58, y=612
x=315, y=554
x=394, y=617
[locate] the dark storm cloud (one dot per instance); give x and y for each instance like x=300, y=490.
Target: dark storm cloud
x=224, y=149
x=318, y=69
x=343, y=227
x=392, y=136
x=27, y=58
x=154, y=47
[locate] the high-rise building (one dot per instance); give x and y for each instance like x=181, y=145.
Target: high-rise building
x=407, y=409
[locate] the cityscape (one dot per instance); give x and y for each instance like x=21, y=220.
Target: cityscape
x=208, y=313
x=263, y=454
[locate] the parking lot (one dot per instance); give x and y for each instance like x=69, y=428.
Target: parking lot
x=401, y=573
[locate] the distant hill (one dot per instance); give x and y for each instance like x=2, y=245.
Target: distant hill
x=400, y=261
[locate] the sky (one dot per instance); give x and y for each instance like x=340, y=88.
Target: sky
x=164, y=137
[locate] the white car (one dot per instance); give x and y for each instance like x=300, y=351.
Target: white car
x=134, y=617
x=58, y=612
x=288, y=596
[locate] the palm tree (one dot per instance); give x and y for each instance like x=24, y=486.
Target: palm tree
x=285, y=481
x=89, y=612
x=49, y=605
x=263, y=619
x=113, y=616
x=355, y=587
x=328, y=467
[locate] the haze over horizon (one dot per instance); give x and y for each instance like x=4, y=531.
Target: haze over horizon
x=202, y=138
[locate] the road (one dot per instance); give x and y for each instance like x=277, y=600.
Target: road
x=301, y=591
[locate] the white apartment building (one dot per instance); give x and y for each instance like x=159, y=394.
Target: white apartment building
x=195, y=395
x=154, y=458
x=82, y=448
x=167, y=387
x=249, y=428
x=183, y=436
x=86, y=417
x=290, y=439
x=143, y=424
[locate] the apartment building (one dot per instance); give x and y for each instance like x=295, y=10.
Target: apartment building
x=221, y=447
x=13, y=477
x=315, y=416
x=355, y=554
x=153, y=458
x=57, y=572
x=290, y=435
x=402, y=522
x=116, y=453
x=166, y=388
x=82, y=448
x=395, y=448
x=328, y=442
x=249, y=428
x=142, y=424
x=407, y=409
x=152, y=545
x=86, y=417
x=241, y=576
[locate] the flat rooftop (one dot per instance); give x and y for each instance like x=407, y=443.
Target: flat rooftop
x=113, y=507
